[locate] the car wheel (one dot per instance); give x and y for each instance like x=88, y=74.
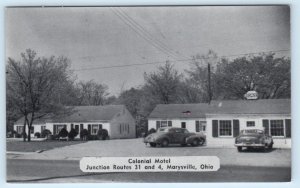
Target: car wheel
x=270, y=146
x=239, y=148
x=165, y=143
x=201, y=142
x=195, y=142
x=153, y=144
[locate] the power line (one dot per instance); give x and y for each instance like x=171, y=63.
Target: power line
x=163, y=45
x=137, y=31
x=174, y=61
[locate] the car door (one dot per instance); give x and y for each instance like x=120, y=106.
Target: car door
x=179, y=136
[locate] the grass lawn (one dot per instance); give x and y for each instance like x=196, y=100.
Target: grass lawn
x=38, y=145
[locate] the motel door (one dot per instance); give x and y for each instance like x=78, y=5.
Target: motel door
x=183, y=124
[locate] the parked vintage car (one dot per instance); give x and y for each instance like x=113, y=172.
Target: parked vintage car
x=253, y=138
x=172, y=135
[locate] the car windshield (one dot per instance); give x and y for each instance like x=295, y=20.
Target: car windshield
x=252, y=131
x=163, y=130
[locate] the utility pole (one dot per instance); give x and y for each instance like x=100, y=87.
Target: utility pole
x=209, y=84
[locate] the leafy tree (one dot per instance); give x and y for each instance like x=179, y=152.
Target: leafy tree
x=267, y=75
x=34, y=86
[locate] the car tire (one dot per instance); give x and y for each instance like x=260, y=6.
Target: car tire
x=270, y=146
x=153, y=144
x=165, y=143
x=201, y=142
x=196, y=142
x=239, y=148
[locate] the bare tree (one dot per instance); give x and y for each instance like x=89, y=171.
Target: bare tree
x=33, y=86
x=92, y=93
x=197, y=86
x=164, y=83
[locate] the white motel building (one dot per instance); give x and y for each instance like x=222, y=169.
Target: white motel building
x=116, y=119
x=222, y=120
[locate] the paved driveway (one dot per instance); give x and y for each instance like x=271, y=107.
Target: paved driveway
x=135, y=147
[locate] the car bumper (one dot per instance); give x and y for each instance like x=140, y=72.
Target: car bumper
x=150, y=141
x=249, y=145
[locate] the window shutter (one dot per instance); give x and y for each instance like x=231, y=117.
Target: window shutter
x=157, y=124
x=288, y=128
x=169, y=123
x=215, y=128
x=236, y=127
x=54, y=129
x=266, y=126
x=65, y=126
x=197, y=126
x=72, y=126
x=100, y=126
x=81, y=127
x=89, y=128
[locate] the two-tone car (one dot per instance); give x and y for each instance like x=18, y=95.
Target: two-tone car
x=253, y=138
x=171, y=135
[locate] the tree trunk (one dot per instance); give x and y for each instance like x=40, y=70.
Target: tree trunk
x=24, y=131
x=29, y=135
x=29, y=129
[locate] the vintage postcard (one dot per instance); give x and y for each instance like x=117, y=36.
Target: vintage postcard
x=148, y=94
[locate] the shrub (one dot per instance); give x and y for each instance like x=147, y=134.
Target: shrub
x=102, y=134
x=93, y=137
x=14, y=133
x=45, y=133
x=72, y=134
x=63, y=133
x=37, y=135
x=84, y=134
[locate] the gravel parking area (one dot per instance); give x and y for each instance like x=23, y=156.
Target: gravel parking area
x=135, y=147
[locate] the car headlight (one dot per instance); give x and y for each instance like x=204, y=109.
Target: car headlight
x=262, y=140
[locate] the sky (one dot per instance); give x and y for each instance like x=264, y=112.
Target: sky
x=97, y=37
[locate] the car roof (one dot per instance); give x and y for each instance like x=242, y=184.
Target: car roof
x=171, y=128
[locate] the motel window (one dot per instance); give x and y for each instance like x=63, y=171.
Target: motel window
x=200, y=126
x=225, y=128
x=58, y=128
x=43, y=128
x=32, y=129
x=20, y=129
x=160, y=124
x=95, y=128
x=250, y=123
x=276, y=127
x=203, y=126
x=124, y=128
x=163, y=124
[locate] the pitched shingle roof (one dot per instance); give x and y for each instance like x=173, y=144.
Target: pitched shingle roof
x=200, y=110
x=85, y=114
x=262, y=106
x=180, y=111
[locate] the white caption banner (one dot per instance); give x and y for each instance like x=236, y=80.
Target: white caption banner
x=150, y=164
